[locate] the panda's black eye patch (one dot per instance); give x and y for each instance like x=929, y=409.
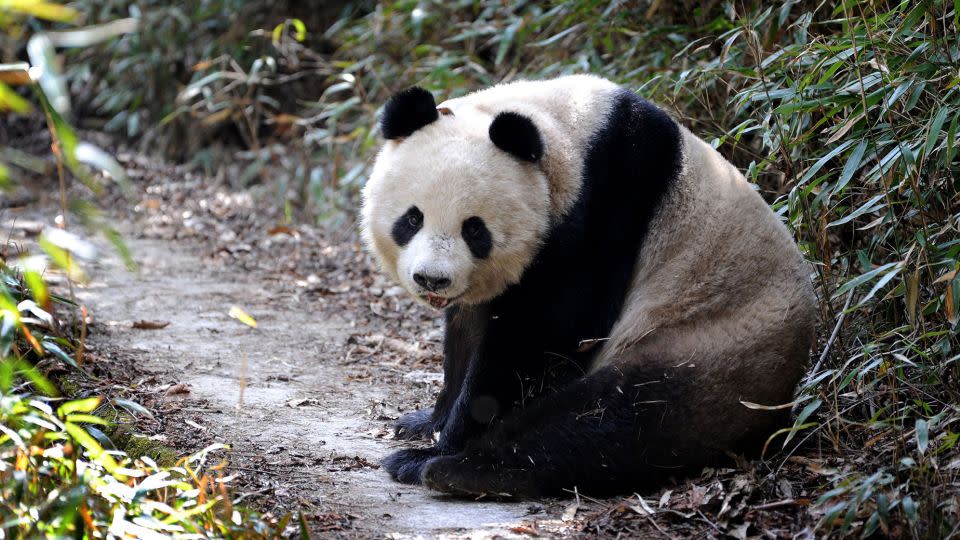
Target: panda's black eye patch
x=407, y=226
x=477, y=236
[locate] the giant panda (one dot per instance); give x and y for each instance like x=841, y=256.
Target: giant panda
x=613, y=289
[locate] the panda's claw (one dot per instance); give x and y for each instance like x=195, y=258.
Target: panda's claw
x=415, y=425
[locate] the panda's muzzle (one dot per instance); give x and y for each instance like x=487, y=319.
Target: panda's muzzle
x=431, y=283
x=434, y=285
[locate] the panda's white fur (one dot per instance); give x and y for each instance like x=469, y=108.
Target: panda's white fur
x=719, y=298
x=511, y=196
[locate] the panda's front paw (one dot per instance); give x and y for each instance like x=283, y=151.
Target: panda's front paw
x=406, y=465
x=415, y=425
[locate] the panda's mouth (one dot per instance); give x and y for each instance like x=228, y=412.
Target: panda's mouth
x=437, y=301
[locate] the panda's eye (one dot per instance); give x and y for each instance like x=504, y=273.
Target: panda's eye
x=472, y=228
x=407, y=226
x=477, y=237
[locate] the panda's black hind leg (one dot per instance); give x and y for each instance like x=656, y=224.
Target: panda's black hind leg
x=605, y=433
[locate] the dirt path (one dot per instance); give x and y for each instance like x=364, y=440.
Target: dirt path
x=310, y=429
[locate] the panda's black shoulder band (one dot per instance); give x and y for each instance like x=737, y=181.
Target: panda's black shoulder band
x=516, y=134
x=407, y=111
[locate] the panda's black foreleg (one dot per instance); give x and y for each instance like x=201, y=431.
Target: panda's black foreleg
x=463, y=332
x=489, y=372
x=458, y=425
x=477, y=405
x=604, y=433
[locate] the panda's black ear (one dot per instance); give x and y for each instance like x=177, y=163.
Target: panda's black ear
x=516, y=134
x=407, y=111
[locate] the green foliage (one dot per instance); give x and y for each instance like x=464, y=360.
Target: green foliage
x=139, y=85
x=848, y=118
x=58, y=480
x=59, y=476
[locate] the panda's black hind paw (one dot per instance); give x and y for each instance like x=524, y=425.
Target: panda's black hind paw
x=471, y=475
x=415, y=425
x=406, y=465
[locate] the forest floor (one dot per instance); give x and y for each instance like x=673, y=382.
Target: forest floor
x=306, y=399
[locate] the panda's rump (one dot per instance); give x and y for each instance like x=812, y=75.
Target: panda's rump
x=720, y=290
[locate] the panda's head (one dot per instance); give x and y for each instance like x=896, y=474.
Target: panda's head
x=457, y=205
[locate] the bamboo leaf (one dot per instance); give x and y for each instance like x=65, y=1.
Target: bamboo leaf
x=237, y=313
x=923, y=435
x=935, y=127
x=853, y=163
x=863, y=278
x=93, y=448
x=12, y=101
x=78, y=405
x=823, y=161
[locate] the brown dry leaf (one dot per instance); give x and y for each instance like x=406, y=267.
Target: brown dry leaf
x=528, y=530
x=951, y=309
x=697, y=495
x=150, y=325
x=178, y=389
x=913, y=292
x=845, y=128
x=643, y=508
x=282, y=229
x=332, y=521
x=347, y=463
x=216, y=117
x=946, y=277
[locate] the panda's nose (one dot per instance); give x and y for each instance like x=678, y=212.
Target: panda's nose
x=431, y=283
